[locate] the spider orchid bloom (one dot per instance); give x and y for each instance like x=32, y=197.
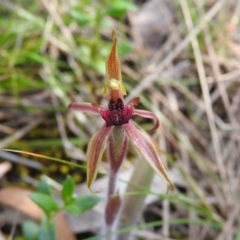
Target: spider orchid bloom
x=118, y=127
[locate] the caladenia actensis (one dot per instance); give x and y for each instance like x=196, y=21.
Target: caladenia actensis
x=115, y=134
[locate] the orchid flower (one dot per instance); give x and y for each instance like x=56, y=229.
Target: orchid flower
x=118, y=127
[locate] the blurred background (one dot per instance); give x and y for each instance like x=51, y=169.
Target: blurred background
x=182, y=58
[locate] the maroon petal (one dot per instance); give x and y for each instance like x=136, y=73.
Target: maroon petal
x=85, y=107
x=145, y=146
x=147, y=114
x=117, y=147
x=96, y=147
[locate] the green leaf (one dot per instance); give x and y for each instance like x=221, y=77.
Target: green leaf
x=73, y=208
x=124, y=48
x=87, y=202
x=99, y=65
x=82, y=18
x=30, y=230
x=45, y=202
x=47, y=231
x=82, y=204
x=43, y=187
x=118, y=8
x=106, y=23
x=68, y=189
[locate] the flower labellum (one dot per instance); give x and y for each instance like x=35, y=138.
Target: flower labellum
x=118, y=126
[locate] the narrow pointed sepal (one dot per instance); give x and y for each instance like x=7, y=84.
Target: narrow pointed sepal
x=84, y=107
x=95, y=151
x=145, y=146
x=147, y=114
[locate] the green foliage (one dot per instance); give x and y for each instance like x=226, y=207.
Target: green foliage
x=76, y=205
x=24, y=46
x=125, y=48
x=68, y=190
x=86, y=202
x=82, y=19
x=44, y=187
x=44, y=199
x=47, y=230
x=30, y=230
x=45, y=202
x=118, y=8
x=73, y=209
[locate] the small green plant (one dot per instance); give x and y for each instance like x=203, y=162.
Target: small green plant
x=44, y=199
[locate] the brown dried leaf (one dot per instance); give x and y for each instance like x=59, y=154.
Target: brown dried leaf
x=18, y=198
x=4, y=168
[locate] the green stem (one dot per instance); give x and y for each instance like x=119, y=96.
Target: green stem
x=133, y=204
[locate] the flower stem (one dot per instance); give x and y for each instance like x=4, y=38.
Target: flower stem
x=132, y=205
x=113, y=204
x=112, y=183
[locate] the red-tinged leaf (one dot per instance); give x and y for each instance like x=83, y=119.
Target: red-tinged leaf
x=145, y=146
x=117, y=147
x=95, y=150
x=112, y=209
x=85, y=107
x=147, y=114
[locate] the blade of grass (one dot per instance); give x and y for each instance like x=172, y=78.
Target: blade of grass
x=46, y=157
